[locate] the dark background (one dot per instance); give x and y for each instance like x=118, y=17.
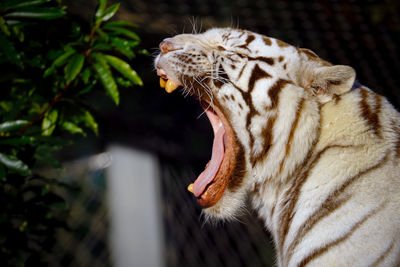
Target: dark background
x=364, y=34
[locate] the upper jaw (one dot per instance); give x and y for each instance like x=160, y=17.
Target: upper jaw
x=163, y=74
x=165, y=70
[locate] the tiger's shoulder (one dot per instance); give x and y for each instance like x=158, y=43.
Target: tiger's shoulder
x=361, y=117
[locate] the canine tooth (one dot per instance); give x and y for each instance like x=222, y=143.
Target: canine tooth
x=204, y=195
x=190, y=188
x=170, y=86
x=162, y=83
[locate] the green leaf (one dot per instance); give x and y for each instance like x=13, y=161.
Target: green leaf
x=100, y=9
x=75, y=30
x=128, y=43
x=9, y=51
x=74, y=67
x=123, y=82
x=10, y=126
x=6, y=105
x=124, y=32
x=86, y=73
x=23, y=226
x=4, y=27
x=102, y=47
x=19, y=23
x=144, y=52
x=18, y=141
x=23, y=3
x=90, y=122
x=59, y=61
x=121, y=45
x=87, y=89
x=103, y=35
x=45, y=13
x=53, y=54
x=103, y=71
x=110, y=12
x=69, y=46
x=119, y=23
x=45, y=190
x=20, y=34
x=13, y=163
x=124, y=68
x=49, y=122
x=72, y=128
x=49, y=148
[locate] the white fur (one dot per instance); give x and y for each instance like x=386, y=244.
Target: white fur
x=333, y=143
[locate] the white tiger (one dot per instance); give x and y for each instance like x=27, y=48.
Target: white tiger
x=317, y=153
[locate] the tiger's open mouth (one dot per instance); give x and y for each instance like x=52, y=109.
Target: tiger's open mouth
x=210, y=185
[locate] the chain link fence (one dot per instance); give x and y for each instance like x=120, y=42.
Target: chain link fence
x=85, y=242
x=188, y=239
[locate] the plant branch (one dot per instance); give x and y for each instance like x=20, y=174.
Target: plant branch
x=41, y=114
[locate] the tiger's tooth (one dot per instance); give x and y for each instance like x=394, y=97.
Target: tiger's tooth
x=162, y=83
x=170, y=86
x=190, y=188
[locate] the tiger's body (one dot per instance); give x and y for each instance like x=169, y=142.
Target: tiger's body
x=317, y=155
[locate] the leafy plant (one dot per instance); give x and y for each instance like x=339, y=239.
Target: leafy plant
x=50, y=62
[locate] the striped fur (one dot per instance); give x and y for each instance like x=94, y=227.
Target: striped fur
x=321, y=161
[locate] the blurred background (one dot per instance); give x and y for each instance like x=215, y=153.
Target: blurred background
x=132, y=207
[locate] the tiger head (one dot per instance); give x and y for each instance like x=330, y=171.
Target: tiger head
x=251, y=88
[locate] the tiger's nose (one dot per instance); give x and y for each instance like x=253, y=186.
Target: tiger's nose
x=166, y=46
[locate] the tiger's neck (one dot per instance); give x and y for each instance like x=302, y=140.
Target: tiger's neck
x=290, y=150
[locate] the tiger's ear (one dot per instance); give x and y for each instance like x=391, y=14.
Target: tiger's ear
x=328, y=81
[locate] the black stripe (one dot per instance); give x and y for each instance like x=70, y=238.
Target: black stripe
x=295, y=122
x=292, y=196
x=221, y=76
x=320, y=251
x=334, y=201
x=384, y=254
x=267, y=60
x=267, y=131
x=256, y=74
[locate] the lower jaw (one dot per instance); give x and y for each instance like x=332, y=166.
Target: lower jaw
x=215, y=190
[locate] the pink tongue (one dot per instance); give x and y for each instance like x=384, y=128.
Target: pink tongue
x=208, y=175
